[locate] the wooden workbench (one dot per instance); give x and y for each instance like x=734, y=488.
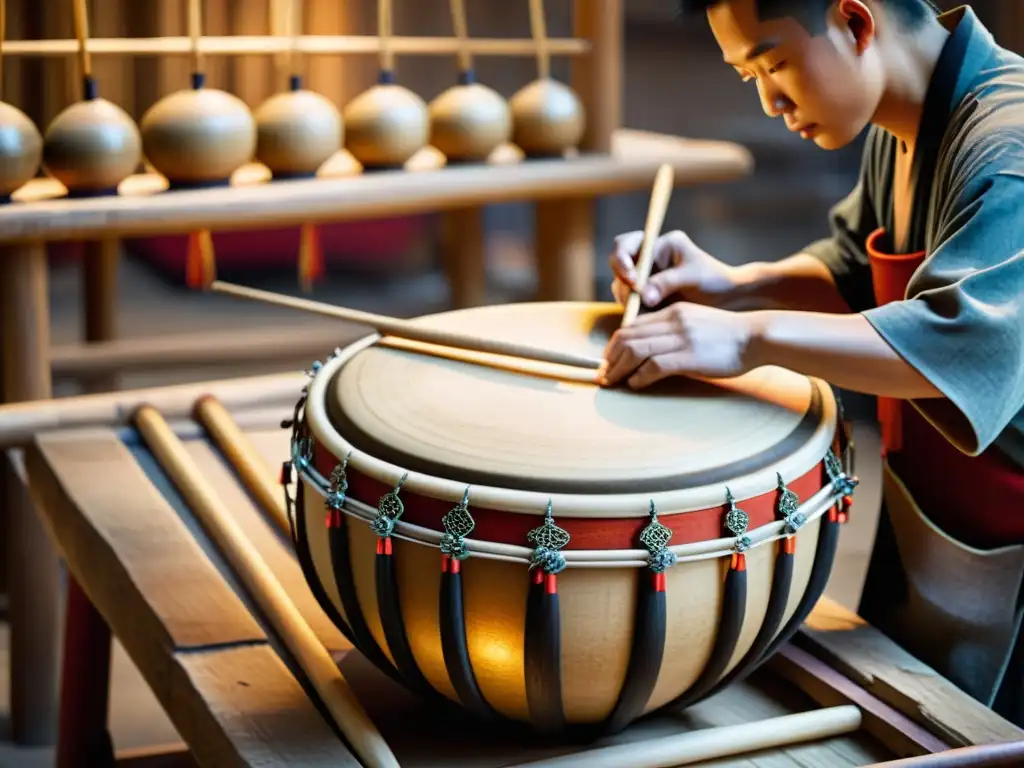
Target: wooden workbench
x=141, y=565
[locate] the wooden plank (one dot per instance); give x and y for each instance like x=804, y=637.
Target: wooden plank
x=829, y=689
x=143, y=570
x=261, y=711
x=631, y=166
x=227, y=692
x=864, y=654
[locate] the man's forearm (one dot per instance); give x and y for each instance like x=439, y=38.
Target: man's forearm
x=844, y=350
x=799, y=282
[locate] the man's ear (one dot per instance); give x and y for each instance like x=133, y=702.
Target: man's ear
x=860, y=20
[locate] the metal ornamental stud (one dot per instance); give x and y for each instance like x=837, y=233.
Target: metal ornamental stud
x=841, y=481
x=736, y=521
x=389, y=509
x=655, y=537
x=337, y=491
x=458, y=524
x=547, y=540
x=788, y=508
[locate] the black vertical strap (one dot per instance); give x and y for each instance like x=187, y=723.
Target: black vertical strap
x=649, y=628
x=305, y=557
x=734, y=606
x=341, y=564
x=543, y=654
x=389, y=605
x=453, y=642
x=824, y=557
x=778, y=599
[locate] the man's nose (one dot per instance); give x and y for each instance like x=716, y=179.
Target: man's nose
x=772, y=102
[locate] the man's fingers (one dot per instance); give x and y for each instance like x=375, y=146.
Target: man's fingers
x=620, y=291
x=623, y=257
x=626, y=356
x=658, y=367
x=666, y=283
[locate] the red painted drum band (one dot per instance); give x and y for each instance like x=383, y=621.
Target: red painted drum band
x=553, y=552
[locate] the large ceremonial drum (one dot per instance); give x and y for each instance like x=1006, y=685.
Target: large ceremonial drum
x=513, y=538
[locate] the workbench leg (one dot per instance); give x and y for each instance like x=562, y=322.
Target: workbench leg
x=99, y=272
x=465, y=263
x=564, y=248
x=33, y=568
x=84, y=741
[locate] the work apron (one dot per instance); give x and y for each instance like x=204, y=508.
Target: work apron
x=954, y=603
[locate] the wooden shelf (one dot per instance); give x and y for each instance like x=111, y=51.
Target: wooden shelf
x=342, y=193
x=234, y=45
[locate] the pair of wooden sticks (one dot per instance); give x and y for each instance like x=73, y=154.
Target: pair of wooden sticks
x=411, y=331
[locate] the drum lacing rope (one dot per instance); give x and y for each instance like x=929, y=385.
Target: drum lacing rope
x=547, y=559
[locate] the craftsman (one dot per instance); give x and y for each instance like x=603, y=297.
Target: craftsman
x=917, y=297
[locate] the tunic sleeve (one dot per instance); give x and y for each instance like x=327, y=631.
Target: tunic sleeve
x=962, y=326
x=851, y=221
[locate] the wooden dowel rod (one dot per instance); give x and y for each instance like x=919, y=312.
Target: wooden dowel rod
x=249, y=464
x=195, y=34
x=19, y=422
x=222, y=348
x=266, y=590
x=307, y=44
x=404, y=329
x=660, y=196
x=983, y=756
x=538, y=29
x=713, y=743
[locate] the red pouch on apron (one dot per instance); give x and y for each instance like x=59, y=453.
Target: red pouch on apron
x=958, y=524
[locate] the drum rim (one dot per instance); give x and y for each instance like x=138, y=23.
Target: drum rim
x=497, y=498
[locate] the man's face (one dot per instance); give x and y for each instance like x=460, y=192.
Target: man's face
x=826, y=87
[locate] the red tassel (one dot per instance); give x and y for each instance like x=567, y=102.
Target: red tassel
x=454, y=566
x=384, y=546
x=842, y=518
x=833, y=515
x=659, y=581
x=739, y=562
x=200, y=270
x=311, y=257
x=444, y=563
x=334, y=518
x=551, y=583
x=891, y=422
x=538, y=576
x=789, y=545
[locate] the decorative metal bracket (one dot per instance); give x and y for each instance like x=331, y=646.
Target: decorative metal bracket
x=547, y=540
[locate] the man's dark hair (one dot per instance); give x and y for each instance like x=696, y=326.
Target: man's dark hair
x=912, y=14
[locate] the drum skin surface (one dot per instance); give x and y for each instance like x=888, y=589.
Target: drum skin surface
x=552, y=552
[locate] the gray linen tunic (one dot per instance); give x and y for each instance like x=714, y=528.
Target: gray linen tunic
x=962, y=323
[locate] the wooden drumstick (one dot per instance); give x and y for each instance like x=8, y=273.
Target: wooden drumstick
x=265, y=589
x=981, y=756
x=660, y=196
x=410, y=331
x=713, y=743
x=253, y=470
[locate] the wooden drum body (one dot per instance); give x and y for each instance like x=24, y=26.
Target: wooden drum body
x=486, y=534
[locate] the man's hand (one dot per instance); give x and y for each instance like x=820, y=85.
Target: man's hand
x=681, y=271
x=684, y=338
